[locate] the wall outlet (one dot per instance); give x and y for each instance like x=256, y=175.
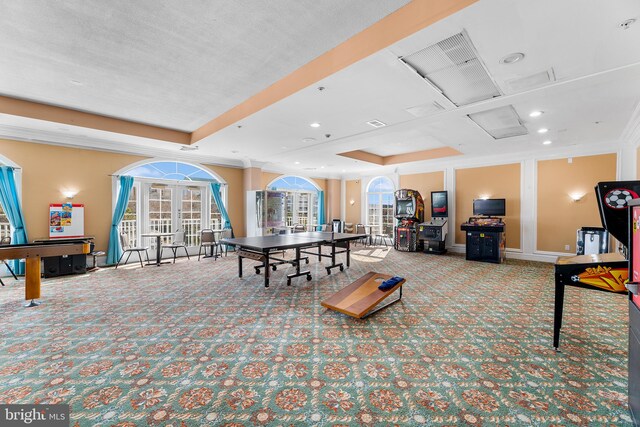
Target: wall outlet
x=567, y=247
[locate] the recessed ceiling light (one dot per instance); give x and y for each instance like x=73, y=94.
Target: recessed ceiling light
x=536, y=113
x=315, y=125
x=284, y=147
x=543, y=130
x=547, y=142
x=296, y=163
x=234, y=151
x=308, y=139
x=321, y=167
x=76, y=82
x=512, y=58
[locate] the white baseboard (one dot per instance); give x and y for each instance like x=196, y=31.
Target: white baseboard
x=549, y=257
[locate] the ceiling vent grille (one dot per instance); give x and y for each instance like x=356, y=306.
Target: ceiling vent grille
x=453, y=67
x=502, y=122
x=425, y=110
x=533, y=81
x=376, y=123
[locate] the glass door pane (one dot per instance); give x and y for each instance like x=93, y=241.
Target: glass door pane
x=289, y=211
x=215, y=215
x=388, y=214
x=191, y=214
x=129, y=222
x=303, y=209
x=160, y=212
x=373, y=212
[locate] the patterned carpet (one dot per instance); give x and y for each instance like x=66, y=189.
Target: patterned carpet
x=192, y=344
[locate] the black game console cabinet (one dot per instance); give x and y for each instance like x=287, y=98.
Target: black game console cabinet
x=64, y=264
x=485, y=243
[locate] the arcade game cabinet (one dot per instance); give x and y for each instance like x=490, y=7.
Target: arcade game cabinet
x=634, y=309
x=434, y=232
x=603, y=272
x=485, y=231
x=409, y=213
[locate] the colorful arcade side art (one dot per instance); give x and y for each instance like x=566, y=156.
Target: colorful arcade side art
x=604, y=272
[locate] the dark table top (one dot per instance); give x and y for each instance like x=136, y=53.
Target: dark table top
x=292, y=240
x=54, y=240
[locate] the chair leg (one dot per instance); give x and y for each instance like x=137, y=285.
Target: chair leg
x=1, y=282
x=10, y=270
x=199, y=252
x=140, y=258
x=175, y=250
x=186, y=252
x=147, y=254
x=120, y=259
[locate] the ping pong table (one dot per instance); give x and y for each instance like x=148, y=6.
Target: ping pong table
x=263, y=249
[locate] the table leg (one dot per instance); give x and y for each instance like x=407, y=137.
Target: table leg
x=266, y=269
x=239, y=266
x=32, y=281
x=333, y=253
x=298, y=273
x=158, y=251
x=348, y=253
x=557, y=313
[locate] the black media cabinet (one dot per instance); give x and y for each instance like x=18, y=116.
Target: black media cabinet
x=485, y=239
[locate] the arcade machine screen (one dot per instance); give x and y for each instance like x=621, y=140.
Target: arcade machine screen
x=439, y=204
x=405, y=207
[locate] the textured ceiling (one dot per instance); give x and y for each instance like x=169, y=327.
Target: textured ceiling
x=175, y=82
x=175, y=64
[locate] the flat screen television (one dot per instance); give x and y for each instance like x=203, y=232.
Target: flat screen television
x=489, y=207
x=439, y=204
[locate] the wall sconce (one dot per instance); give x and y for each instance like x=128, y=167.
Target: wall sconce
x=69, y=194
x=352, y=202
x=576, y=197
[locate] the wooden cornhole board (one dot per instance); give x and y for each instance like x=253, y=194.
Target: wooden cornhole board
x=360, y=297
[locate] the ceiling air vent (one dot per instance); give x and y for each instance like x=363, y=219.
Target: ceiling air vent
x=376, y=123
x=531, y=82
x=425, y=110
x=453, y=67
x=502, y=122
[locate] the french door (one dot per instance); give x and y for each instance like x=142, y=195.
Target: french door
x=301, y=208
x=168, y=208
x=380, y=213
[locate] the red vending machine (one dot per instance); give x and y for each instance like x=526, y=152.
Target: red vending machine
x=634, y=309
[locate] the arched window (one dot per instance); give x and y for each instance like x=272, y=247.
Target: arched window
x=380, y=199
x=301, y=200
x=170, y=196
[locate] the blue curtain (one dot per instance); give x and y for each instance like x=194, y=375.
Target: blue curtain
x=114, y=252
x=13, y=210
x=321, y=219
x=215, y=191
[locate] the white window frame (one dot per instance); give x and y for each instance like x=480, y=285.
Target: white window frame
x=379, y=194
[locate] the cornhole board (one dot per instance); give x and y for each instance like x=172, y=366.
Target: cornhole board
x=362, y=296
